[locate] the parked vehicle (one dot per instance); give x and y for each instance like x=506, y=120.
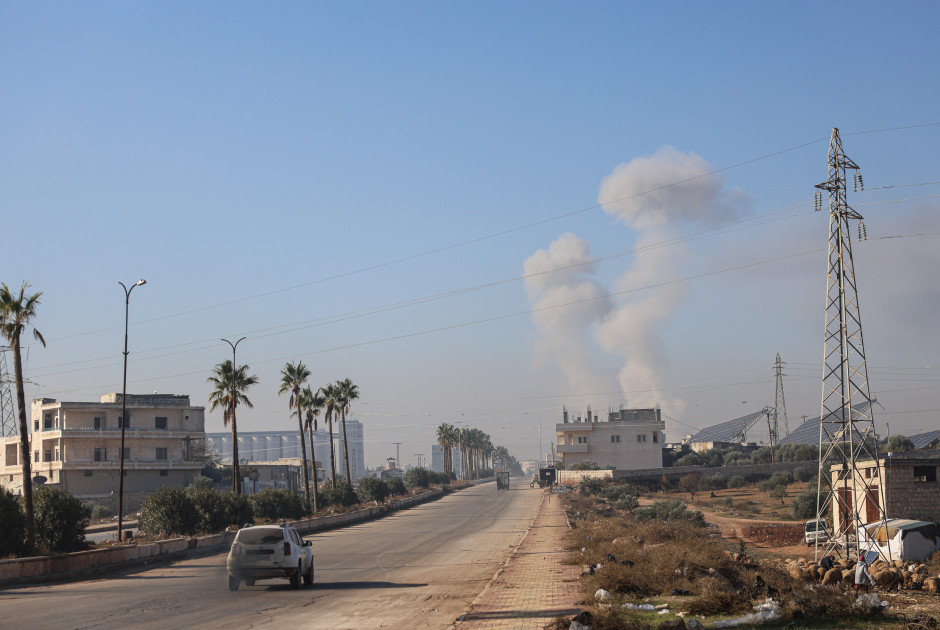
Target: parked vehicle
x=269, y=551
x=815, y=531
x=502, y=480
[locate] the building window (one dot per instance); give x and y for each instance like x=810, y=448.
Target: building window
x=925, y=474
x=164, y=472
x=101, y=454
x=127, y=452
x=36, y=425
x=47, y=422
x=35, y=456
x=641, y=437
x=582, y=439
x=89, y=473
x=615, y=439
x=160, y=422
x=47, y=455
x=98, y=424
x=125, y=474
x=122, y=423
x=161, y=453
x=655, y=437
x=56, y=454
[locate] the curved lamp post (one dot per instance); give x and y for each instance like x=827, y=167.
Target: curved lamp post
x=127, y=303
x=236, y=481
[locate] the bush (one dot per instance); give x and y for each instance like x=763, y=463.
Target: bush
x=670, y=510
x=590, y=486
x=418, y=478
x=737, y=458
x=712, y=482
x=691, y=459
x=737, y=482
x=805, y=474
x=804, y=505
x=169, y=510
x=12, y=524
x=372, y=489
x=779, y=492
x=396, y=487
x=216, y=510
x=99, y=511
x=203, y=482
x=342, y=494
x=614, y=492
x=278, y=504
x=585, y=465
x=61, y=520
x=627, y=502
x=780, y=479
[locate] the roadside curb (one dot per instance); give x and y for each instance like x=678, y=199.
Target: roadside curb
x=95, y=562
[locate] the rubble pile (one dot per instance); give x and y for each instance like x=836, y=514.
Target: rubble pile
x=780, y=535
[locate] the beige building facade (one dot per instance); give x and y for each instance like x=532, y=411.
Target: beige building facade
x=76, y=446
x=629, y=439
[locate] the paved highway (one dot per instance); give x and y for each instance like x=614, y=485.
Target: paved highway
x=419, y=568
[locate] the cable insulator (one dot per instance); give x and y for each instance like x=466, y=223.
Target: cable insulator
x=861, y=182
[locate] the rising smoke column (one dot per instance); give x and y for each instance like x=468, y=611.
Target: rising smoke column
x=645, y=196
x=565, y=331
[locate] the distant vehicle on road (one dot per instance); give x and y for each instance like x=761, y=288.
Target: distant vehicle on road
x=269, y=551
x=502, y=480
x=815, y=531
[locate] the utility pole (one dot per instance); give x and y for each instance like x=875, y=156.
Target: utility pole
x=8, y=424
x=780, y=405
x=845, y=498
x=398, y=454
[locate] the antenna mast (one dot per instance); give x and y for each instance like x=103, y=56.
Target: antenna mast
x=846, y=498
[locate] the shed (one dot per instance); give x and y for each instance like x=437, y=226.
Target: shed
x=904, y=538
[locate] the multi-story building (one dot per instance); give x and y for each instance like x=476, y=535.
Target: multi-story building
x=77, y=445
x=263, y=446
x=629, y=439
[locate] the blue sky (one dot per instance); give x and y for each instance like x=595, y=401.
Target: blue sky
x=267, y=166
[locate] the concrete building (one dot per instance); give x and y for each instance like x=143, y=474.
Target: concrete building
x=437, y=458
x=265, y=446
x=905, y=483
x=629, y=439
x=77, y=445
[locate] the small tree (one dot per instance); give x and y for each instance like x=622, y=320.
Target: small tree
x=169, y=510
x=689, y=483
x=418, y=478
x=61, y=520
x=372, y=489
x=898, y=444
x=779, y=492
x=12, y=524
x=396, y=487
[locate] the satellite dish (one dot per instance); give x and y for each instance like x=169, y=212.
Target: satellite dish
x=39, y=479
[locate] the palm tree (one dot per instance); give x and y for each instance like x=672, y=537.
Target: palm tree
x=312, y=404
x=293, y=377
x=446, y=438
x=16, y=313
x=347, y=391
x=226, y=387
x=330, y=406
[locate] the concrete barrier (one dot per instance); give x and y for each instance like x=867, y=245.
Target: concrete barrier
x=88, y=563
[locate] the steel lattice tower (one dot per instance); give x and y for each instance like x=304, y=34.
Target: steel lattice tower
x=780, y=404
x=846, y=429
x=8, y=425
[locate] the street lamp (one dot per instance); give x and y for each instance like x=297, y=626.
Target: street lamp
x=127, y=306
x=236, y=481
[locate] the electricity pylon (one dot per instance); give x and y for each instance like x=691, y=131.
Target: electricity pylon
x=780, y=404
x=8, y=424
x=847, y=497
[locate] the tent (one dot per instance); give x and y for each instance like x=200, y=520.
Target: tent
x=904, y=538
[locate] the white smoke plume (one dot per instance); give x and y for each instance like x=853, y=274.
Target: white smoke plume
x=634, y=328
x=566, y=330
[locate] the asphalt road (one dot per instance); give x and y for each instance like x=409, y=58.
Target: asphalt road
x=418, y=568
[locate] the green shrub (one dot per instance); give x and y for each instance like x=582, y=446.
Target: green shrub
x=712, y=482
x=805, y=474
x=169, y=510
x=99, y=511
x=216, y=510
x=590, y=486
x=627, y=502
x=691, y=459
x=203, y=482
x=737, y=458
x=342, y=495
x=61, y=520
x=278, y=504
x=616, y=491
x=776, y=480
x=396, y=487
x=12, y=524
x=779, y=492
x=670, y=510
x=585, y=465
x=239, y=509
x=737, y=482
x=418, y=478
x=372, y=489
x=804, y=504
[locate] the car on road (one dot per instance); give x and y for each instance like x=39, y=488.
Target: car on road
x=269, y=551
x=815, y=531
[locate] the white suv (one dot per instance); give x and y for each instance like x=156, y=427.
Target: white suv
x=815, y=532
x=269, y=551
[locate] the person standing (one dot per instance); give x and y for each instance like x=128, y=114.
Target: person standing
x=863, y=578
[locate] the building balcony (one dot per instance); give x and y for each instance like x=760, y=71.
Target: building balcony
x=115, y=433
x=562, y=449
x=129, y=464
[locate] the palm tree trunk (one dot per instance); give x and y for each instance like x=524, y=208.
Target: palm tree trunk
x=24, y=446
x=313, y=457
x=329, y=422
x=346, y=450
x=303, y=451
x=236, y=471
